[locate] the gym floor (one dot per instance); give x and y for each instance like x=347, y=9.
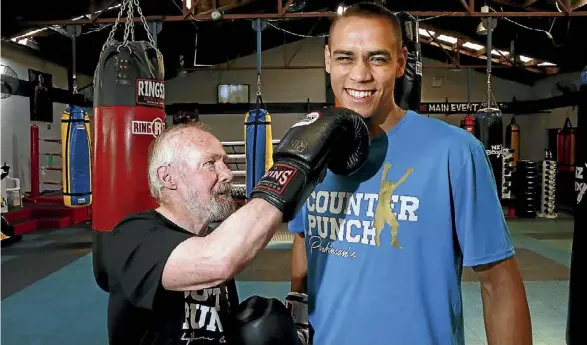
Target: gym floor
x=49, y=295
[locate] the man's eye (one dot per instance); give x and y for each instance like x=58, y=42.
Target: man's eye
x=343, y=58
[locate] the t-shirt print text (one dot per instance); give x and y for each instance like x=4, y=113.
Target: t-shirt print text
x=202, y=322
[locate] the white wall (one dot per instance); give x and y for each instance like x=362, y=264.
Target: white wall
x=537, y=124
x=15, y=118
x=297, y=85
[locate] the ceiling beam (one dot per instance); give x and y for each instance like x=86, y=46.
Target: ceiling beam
x=237, y=16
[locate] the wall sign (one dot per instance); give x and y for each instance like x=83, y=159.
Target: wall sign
x=458, y=107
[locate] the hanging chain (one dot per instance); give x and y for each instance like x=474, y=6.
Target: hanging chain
x=129, y=27
x=258, y=84
x=489, y=88
x=110, y=38
x=129, y=6
x=149, y=36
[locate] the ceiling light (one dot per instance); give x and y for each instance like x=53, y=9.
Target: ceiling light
x=424, y=32
x=340, y=10
x=500, y=52
x=546, y=64
x=473, y=46
x=448, y=39
x=525, y=58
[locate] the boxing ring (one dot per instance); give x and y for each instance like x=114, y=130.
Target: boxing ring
x=54, y=195
x=237, y=163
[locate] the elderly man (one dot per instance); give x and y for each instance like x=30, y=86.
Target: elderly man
x=168, y=276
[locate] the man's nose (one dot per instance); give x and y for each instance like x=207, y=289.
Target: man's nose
x=361, y=72
x=224, y=173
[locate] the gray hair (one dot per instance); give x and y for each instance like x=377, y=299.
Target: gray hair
x=165, y=150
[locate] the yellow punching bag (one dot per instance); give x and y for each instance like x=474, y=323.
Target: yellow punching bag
x=512, y=140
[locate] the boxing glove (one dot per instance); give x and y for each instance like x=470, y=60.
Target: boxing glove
x=261, y=321
x=334, y=138
x=408, y=88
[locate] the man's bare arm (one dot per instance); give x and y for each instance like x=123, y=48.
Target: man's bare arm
x=505, y=307
x=202, y=262
x=299, y=265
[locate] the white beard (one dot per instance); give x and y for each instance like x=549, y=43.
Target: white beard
x=218, y=209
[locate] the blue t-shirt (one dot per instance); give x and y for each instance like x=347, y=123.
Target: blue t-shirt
x=390, y=273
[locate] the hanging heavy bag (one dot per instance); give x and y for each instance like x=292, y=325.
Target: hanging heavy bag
x=490, y=122
x=565, y=147
x=575, y=333
x=408, y=88
x=129, y=113
x=512, y=140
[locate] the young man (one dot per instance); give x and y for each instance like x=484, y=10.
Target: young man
x=168, y=278
x=380, y=254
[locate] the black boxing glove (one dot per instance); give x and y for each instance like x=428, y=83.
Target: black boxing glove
x=261, y=321
x=334, y=138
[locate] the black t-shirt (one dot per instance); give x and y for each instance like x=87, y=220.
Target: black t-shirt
x=140, y=310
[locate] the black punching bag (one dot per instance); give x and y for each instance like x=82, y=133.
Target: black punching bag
x=576, y=335
x=490, y=121
x=408, y=88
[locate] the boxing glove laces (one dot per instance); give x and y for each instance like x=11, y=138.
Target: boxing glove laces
x=330, y=138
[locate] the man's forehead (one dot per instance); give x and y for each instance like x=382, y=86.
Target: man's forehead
x=354, y=30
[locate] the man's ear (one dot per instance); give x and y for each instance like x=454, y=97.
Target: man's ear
x=327, y=58
x=166, y=178
x=401, y=62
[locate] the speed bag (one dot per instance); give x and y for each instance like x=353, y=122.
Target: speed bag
x=77, y=157
x=129, y=113
x=565, y=147
x=258, y=146
x=512, y=140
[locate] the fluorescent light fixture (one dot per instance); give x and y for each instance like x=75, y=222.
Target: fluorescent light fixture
x=448, y=39
x=473, y=46
x=500, y=52
x=525, y=58
x=426, y=33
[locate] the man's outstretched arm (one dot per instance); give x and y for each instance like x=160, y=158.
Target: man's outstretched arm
x=505, y=307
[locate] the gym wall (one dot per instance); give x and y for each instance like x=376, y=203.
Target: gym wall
x=297, y=85
x=15, y=118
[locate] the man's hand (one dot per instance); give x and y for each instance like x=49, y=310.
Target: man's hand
x=505, y=307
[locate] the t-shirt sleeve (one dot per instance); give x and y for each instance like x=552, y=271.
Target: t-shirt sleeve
x=481, y=229
x=138, y=253
x=297, y=225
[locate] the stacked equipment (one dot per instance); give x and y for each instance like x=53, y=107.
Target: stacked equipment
x=506, y=174
x=548, y=187
x=527, y=191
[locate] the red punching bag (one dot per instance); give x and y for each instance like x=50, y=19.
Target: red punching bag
x=468, y=123
x=566, y=147
x=129, y=113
